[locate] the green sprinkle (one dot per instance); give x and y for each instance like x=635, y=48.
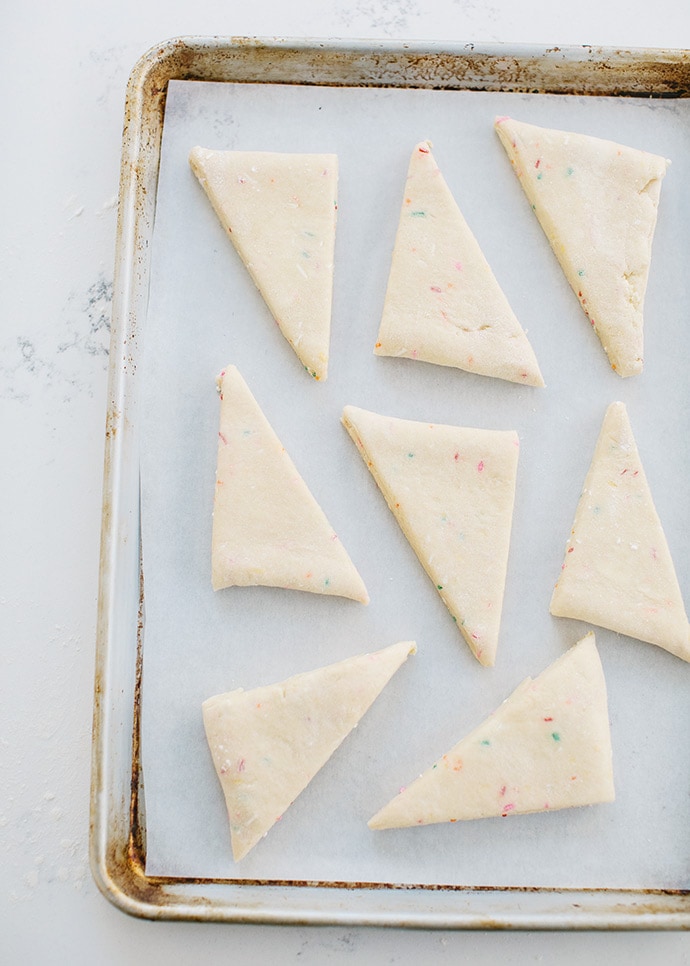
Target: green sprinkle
x=418, y=214
x=534, y=207
x=309, y=234
x=581, y=272
x=306, y=255
x=246, y=432
x=327, y=582
x=439, y=586
x=540, y=176
x=410, y=456
x=570, y=171
x=486, y=741
x=555, y=736
x=454, y=618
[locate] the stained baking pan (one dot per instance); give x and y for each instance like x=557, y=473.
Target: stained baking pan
x=371, y=102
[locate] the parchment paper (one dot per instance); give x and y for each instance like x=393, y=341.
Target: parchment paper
x=205, y=313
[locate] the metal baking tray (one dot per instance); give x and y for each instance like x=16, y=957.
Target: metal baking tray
x=118, y=820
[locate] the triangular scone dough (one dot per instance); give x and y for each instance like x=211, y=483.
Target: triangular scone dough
x=443, y=303
x=548, y=746
x=267, y=744
x=597, y=203
x=280, y=213
x=618, y=571
x=267, y=527
x=452, y=491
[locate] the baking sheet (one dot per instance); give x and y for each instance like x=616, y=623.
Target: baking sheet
x=205, y=313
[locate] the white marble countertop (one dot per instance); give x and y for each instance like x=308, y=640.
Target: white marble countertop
x=66, y=67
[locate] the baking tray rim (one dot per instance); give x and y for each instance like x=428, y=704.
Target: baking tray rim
x=117, y=820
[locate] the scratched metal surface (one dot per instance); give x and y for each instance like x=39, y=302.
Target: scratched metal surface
x=118, y=839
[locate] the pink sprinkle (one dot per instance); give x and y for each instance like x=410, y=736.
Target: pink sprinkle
x=456, y=457
x=500, y=120
x=475, y=637
x=480, y=466
x=653, y=554
x=435, y=288
x=240, y=764
x=507, y=808
x=224, y=439
x=623, y=472
x=423, y=150
x=458, y=265
x=537, y=162
x=503, y=791
x=570, y=549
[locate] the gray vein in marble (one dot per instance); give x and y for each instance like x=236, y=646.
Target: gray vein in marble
x=97, y=305
x=390, y=16
x=65, y=359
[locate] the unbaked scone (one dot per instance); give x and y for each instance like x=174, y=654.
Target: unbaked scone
x=443, y=303
x=280, y=213
x=268, y=743
x=267, y=527
x=548, y=746
x=618, y=572
x=597, y=204
x=452, y=490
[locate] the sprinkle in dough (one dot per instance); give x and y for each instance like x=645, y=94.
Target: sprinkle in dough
x=267, y=527
x=452, y=491
x=268, y=743
x=548, y=746
x=443, y=303
x=597, y=203
x=280, y=213
x=617, y=571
